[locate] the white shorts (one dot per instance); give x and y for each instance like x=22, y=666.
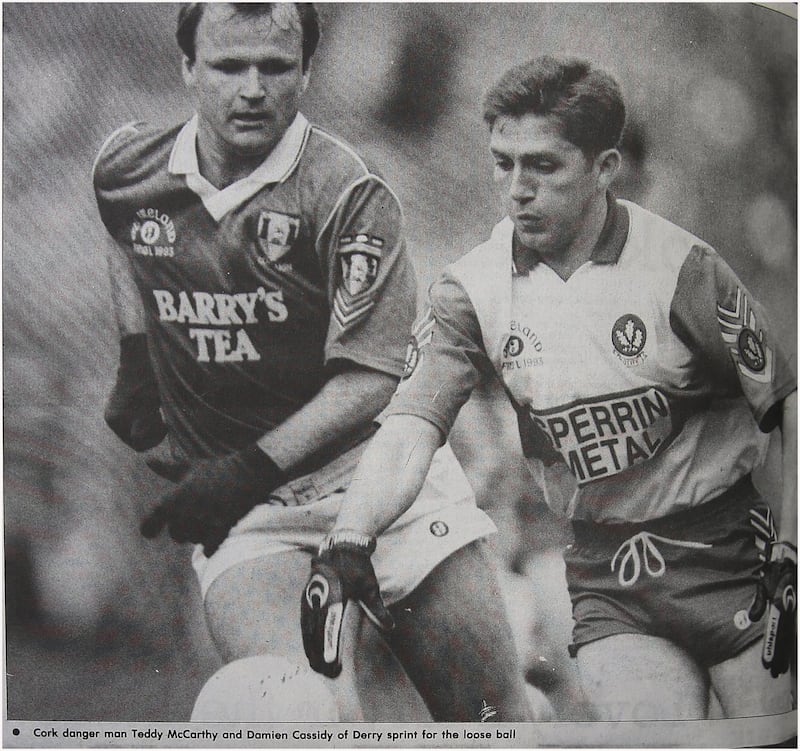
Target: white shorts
x=298, y=515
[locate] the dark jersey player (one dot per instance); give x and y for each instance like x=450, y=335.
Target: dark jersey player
x=264, y=295
x=643, y=371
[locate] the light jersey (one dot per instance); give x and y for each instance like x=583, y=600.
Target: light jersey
x=647, y=373
x=251, y=292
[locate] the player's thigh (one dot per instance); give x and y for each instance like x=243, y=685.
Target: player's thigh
x=639, y=677
x=453, y=639
x=254, y=607
x=745, y=688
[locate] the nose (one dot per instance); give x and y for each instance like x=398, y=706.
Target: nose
x=252, y=86
x=522, y=187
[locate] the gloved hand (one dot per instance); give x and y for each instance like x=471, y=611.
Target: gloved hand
x=341, y=571
x=213, y=496
x=132, y=409
x=776, y=593
x=168, y=462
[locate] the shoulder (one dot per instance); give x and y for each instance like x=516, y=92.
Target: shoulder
x=130, y=152
x=649, y=227
x=330, y=161
x=492, y=255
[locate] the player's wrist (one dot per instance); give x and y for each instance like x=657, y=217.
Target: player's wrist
x=266, y=473
x=348, y=539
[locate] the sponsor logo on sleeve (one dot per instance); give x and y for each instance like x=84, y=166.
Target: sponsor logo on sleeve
x=359, y=258
x=153, y=234
x=741, y=332
x=276, y=234
x=604, y=437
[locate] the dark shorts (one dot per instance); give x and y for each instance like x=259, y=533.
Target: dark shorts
x=688, y=577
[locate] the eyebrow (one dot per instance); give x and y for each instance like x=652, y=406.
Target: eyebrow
x=529, y=155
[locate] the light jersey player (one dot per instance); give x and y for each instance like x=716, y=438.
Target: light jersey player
x=642, y=369
x=265, y=296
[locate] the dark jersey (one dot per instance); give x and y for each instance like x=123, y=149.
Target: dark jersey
x=252, y=292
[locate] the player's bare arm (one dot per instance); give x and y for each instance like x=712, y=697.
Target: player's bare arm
x=216, y=493
x=789, y=457
x=347, y=403
x=402, y=451
x=776, y=592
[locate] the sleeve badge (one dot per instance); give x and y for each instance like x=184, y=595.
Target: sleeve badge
x=359, y=257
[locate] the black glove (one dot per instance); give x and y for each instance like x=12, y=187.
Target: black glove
x=166, y=461
x=341, y=571
x=776, y=593
x=213, y=496
x=132, y=409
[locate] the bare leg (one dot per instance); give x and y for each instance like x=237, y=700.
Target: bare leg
x=454, y=641
x=746, y=689
x=254, y=609
x=638, y=677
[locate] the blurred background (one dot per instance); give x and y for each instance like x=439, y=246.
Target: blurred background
x=102, y=625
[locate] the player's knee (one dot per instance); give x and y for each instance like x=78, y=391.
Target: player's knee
x=265, y=689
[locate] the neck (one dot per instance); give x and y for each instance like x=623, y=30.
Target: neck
x=579, y=250
x=221, y=167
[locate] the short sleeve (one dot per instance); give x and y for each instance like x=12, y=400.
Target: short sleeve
x=372, y=285
x=717, y=318
x=445, y=358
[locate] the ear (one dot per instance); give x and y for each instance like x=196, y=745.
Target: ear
x=607, y=163
x=187, y=70
x=306, y=78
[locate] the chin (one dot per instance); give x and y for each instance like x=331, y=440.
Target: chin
x=255, y=145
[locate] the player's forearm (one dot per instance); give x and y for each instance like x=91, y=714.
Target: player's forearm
x=348, y=402
x=789, y=452
x=390, y=475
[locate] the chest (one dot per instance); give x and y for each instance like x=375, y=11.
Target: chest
x=171, y=235
x=604, y=331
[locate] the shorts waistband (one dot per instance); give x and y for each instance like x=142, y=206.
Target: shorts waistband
x=325, y=481
x=603, y=535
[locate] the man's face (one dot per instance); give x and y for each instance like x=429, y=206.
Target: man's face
x=547, y=183
x=247, y=79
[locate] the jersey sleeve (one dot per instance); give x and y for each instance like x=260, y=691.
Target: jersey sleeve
x=106, y=170
x=372, y=286
x=128, y=309
x=713, y=313
x=445, y=358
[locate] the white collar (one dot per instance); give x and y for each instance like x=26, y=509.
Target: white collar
x=276, y=168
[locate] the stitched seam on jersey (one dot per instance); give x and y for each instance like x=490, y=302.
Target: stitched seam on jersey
x=342, y=145
x=346, y=192
x=122, y=128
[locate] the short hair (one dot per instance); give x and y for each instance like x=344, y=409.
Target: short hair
x=190, y=14
x=587, y=102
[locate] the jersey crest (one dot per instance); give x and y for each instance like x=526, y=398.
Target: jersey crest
x=276, y=234
x=629, y=335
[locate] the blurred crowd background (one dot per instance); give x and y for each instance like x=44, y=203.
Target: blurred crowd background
x=102, y=625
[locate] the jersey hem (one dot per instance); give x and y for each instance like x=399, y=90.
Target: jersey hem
x=381, y=364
